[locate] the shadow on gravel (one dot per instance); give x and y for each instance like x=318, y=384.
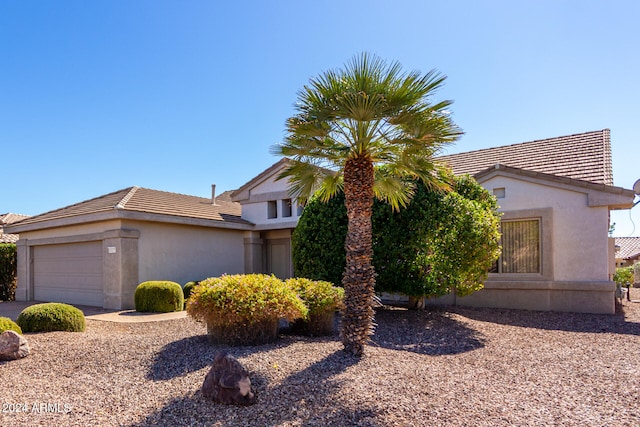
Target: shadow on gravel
x=569, y=322
x=191, y=354
x=432, y=332
x=305, y=398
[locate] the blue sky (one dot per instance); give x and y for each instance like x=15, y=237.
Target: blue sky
x=97, y=95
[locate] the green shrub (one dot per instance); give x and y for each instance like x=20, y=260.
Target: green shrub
x=187, y=290
x=244, y=309
x=441, y=242
x=159, y=297
x=623, y=276
x=319, y=296
x=51, y=316
x=7, y=324
x=8, y=271
x=322, y=300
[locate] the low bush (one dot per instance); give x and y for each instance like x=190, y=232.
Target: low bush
x=51, y=316
x=7, y=324
x=157, y=296
x=623, y=276
x=322, y=300
x=244, y=309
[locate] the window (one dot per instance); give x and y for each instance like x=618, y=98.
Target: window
x=520, y=247
x=272, y=209
x=286, y=208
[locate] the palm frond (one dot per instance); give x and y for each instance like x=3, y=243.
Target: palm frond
x=392, y=188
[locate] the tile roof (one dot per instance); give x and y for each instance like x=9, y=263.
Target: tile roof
x=261, y=177
x=10, y=218
x=144, y=200
x=6, y=219
x=584, y=156
x=629, y=247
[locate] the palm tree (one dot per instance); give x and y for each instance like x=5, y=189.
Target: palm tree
x=365, y=129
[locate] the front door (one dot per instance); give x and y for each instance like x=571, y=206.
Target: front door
x=279, y=258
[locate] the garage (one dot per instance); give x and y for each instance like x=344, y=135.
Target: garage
x=69, y=273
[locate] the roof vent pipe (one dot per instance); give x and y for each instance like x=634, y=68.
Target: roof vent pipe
x=213, y=194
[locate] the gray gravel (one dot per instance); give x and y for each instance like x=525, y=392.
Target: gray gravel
x=444, y=367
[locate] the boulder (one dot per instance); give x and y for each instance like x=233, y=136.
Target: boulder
x=13, y=346
x=228, y=382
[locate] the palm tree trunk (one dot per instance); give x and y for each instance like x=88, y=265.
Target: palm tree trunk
x=359, y=277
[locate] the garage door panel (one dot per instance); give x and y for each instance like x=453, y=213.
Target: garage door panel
x=70, y=273
x=75, y=297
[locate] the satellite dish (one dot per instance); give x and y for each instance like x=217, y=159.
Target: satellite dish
x=636, y=187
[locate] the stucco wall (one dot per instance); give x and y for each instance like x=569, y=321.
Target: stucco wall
x=255, y=208
x=579, y=236
x=182, y=253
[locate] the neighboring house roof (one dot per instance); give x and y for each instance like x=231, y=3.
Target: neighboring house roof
x=629, y=247
x=143, y=204
x=584, y=156
x=6, y=219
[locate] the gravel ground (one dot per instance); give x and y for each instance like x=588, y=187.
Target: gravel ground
x=443, y=367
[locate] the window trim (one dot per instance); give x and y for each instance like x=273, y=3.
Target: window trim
x=545, y=216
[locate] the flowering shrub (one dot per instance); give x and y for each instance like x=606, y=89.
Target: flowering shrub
x=244, y=308
x=319, y=296
x=322, y=299
x=623, y=276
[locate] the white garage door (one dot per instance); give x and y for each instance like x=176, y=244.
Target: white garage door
x=69, y=273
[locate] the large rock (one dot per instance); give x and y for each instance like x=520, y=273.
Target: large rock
x=228, y=382
x=13, y=346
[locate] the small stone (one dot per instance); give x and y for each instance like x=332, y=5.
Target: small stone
x=228, y=382
x=13, y=346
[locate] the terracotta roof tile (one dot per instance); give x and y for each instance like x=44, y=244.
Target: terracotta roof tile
x=629, y=247
x=6, y=219
x=136, y=199
x=161, y=202
x=10, y=218
x=585, y=156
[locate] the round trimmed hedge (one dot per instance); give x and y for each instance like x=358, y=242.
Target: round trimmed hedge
x=157, y=296
x=7, y=324
x=51, y=316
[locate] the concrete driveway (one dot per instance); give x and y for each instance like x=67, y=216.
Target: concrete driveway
x=12, y=309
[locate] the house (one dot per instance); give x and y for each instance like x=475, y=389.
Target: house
x=97, y=251
x=555, y=195
x=627, y=251
x=6, y=219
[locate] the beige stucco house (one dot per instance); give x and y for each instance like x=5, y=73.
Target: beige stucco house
x=555, y=195
x=627, y=251
x=96, y=252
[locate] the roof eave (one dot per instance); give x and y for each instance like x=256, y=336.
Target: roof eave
x=120, y=214
x=615, y=198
